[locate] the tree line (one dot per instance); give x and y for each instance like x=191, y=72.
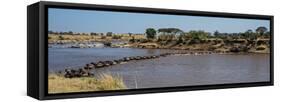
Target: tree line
x=169, y=34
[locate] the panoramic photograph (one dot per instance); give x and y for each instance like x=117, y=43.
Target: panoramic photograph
x=90, y=50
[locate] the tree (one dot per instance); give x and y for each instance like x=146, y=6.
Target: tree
x=109, y=34
x=101, y=34
x=200, y=35
x=249, y=31
x=267, y=34
x=92, y=33
x=197, y=36
x=50, y=32
x=61, y=33
x=169, y=33
x=180, y=39
x=249, y=34
x=261, y=30
x=130, y=34
x=150, y=33
x=216, y=33
x=70, y=32
x=116, y=37
x=170, y=30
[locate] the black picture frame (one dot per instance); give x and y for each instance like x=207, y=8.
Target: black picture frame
x=37, y=49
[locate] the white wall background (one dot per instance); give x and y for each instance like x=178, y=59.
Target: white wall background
x=13, y=51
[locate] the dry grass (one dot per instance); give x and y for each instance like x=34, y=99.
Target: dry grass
x=72, y=37
x=53, y=37
x=59, y=84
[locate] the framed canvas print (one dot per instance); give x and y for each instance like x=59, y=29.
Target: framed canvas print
x=83, y=50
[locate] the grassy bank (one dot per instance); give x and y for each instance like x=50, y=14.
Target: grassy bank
x=53, y=38
x=60, y=84
x=216, y=44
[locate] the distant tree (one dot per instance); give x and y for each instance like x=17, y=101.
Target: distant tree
x=180, y=39
x=130, y=34
x=200, y=35
x=249, y=31
x=196, y=36
x=150, y=33
x=261, y=30
x=101, y=34
x=185, y=36
x=50, y=32
x=92, y=33
x=216, y=33
x=267, y=34
x=235, y=36
x=170, y=30
x=116, y=37
x=169, y=33
x=53, y=32
x=249, y=34
x=109, y=34
x=61, y=33
x=70, y=32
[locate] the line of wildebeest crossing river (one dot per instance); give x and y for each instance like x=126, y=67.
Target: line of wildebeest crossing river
x=86, y=70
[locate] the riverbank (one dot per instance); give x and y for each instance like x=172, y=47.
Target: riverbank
x=62, y=39
x=260, y=45
x=59, y=84
x=214, y=45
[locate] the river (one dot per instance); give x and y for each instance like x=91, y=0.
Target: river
x=167, y=71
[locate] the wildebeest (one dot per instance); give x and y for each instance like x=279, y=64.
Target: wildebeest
x=100, y=64
x=108, y=63
x=126, y=59
x=85, y=71
x=71, y=73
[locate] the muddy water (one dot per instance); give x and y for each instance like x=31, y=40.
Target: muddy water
x=166, y=71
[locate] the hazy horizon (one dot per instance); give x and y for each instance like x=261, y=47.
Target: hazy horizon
x=86, y=21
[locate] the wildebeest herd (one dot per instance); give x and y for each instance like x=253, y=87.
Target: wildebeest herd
x=86, y=70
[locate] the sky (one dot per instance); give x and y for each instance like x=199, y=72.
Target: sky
x=87, y=21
